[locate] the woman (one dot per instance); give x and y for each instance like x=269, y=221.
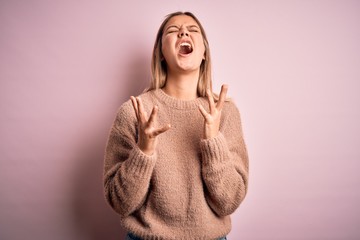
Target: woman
x=176, y=164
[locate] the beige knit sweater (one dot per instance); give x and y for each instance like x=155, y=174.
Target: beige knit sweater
x=190, y=186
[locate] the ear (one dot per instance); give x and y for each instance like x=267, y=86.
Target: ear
x=162, y=58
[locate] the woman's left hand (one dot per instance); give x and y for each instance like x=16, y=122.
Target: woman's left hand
x=212, y=119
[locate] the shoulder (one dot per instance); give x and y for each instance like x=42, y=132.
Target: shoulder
x=126, y=110
x=231, y=113
x=231, y=124
x=230, y=107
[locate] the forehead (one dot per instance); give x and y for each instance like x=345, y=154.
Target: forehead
x=181, y=20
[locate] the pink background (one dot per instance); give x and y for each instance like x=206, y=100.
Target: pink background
x=293, y=68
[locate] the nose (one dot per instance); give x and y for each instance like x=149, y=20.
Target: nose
x=183, y=33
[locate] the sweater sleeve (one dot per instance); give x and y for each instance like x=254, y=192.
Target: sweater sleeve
x=225, y=164
x=127, y=170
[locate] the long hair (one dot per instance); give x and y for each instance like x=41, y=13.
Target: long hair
x=159, y=67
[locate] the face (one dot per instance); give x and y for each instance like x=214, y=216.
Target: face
x=182, y=44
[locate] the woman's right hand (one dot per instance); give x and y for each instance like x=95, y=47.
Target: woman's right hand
x=146, y=127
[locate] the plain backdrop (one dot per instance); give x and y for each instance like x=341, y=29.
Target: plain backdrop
x=293, y=69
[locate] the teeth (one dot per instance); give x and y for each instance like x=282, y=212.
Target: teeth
x=185, y=44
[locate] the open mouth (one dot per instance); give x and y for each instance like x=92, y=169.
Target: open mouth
x=185, y=48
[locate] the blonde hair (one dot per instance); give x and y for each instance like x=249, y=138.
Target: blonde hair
x=158, y=64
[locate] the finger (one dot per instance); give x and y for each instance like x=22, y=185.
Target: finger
x=142, y=113
x=161, y=130
x=211, y=100
x=153, y=115
x=135, y=106
x=204, y=112
x=222, y=97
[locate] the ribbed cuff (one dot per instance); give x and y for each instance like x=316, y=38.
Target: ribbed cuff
x=213, y=150
x=139, y=163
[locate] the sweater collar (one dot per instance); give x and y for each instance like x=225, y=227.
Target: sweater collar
x=178, y=103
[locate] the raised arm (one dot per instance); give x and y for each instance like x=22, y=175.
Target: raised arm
x=225, y=164
x=128, y=166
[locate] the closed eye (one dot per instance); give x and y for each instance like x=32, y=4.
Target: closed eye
x=194, y=28
x=172, y=29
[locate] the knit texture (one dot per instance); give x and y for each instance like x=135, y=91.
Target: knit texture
x=190, y=186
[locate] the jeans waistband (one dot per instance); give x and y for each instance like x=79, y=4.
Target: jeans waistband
x=131, y=236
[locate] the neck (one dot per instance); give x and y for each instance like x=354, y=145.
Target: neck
x=183, y=87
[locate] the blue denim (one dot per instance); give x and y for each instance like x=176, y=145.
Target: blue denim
x=131, y=236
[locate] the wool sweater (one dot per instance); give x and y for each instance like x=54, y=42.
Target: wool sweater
x=189, y=187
